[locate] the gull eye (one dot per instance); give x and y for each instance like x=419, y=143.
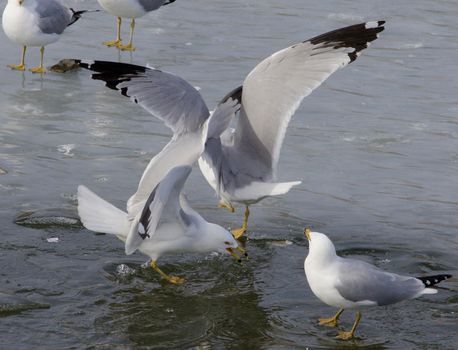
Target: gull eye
x=227, y=243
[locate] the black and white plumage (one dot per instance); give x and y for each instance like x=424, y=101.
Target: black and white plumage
x=156, y=206
x=352, y=284
x=241, y=164
x=170, y=99
x=166, y=224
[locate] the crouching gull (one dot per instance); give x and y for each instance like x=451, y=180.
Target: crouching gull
x=36, y=23
x=129, y=9
x=166, y=224
x=353, y=284
x=241, y=163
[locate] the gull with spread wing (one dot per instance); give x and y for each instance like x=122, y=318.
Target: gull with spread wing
x=181, y=107
x=170, y=99
x=241, y=164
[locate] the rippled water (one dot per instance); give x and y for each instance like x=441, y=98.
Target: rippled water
x=376, y=148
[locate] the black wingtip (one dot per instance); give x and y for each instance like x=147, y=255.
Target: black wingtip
x=112, y=73
x=430, y=281
x=235, y=94
x=357, y=36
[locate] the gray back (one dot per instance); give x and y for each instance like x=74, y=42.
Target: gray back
x=151, y=5
x=53, y=16
x=361, y=281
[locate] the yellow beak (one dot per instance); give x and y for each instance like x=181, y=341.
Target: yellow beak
x=234, y=254
x=307, y=233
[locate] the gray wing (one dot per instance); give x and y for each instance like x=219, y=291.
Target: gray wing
x=360, y=281
x=163, y=204
x=151, y=5
x=187, y=214
x=53, y=17
x=166, y=96
x=233, y=167
x=224, y=113
x=273, y=90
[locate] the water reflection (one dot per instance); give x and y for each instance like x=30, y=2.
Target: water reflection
x=218, y=307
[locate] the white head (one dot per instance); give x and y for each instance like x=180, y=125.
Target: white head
x=321, y=248
x=21, y=2
x=217, y=239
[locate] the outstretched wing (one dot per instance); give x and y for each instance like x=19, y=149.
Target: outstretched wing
x=164, y=95
x=275, y=87
x=163, y=202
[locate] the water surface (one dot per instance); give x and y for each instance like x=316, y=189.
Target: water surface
x=376, y=147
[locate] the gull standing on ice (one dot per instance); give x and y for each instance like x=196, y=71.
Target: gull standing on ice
x=353, y=284
x=166, y=225
x=36, y=23
x=241, y=163
x=129, y=9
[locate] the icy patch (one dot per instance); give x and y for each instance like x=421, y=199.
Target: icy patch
x=66, y=149
x=284, y=243
x=29, y=109
x=346, y=17
x=411, y=46
x=52, y=239
x=41, y=219
x=123, y=270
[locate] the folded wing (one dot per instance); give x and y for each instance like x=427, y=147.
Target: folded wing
x=163, y=203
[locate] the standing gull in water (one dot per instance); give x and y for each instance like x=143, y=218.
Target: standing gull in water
x=166, y=224
x=36, y=23
x=241, y=163
x=353, y=284
x=129, y=9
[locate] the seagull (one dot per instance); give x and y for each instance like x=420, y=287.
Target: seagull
x=129, y=9
x=36, y=23
x=241, y=164
x=170, y=99
x=166, y=224
x=181, y=107
x=352, y=284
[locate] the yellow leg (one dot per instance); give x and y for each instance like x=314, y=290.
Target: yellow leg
x=171, y=279
x=226, y=206
x=332, y=321
x=40, y=69
x=116, y=42
x=350, y=334
x=20, y=66
x=237, y=233
x=129, y=46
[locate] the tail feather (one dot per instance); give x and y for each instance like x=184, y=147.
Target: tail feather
x=430, y=281
x=100, y=216
x=77, y=15
x=256, y=190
